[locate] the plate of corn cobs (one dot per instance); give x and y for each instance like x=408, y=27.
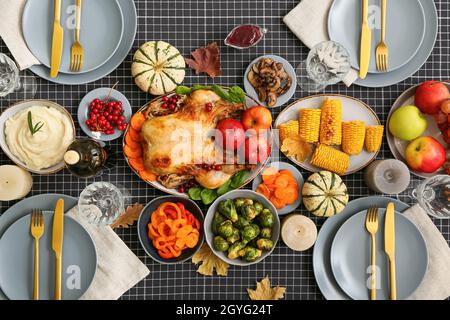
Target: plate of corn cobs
x=332, y=132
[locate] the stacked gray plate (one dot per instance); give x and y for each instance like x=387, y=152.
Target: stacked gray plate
x=341, y=255
x=411, y=32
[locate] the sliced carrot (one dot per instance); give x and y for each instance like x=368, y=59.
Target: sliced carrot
x=269, y=175
x=137, y=164
x=131, y=143
x=147, y=175
x=135, y=135
x=262, y=189
x=137, y=121
x=287, y=195
x=132, y=153
x=191, y=240
x=282, y=181
x=279, y=204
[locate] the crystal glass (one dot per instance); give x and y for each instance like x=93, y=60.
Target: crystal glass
x=433, y=196
x=15, y=85
x=101, y=203
x=327, y=63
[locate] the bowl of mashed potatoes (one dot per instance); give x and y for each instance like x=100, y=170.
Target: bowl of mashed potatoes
x=39, y=151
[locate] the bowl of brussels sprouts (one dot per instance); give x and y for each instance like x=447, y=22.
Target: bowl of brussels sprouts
x=242, y=227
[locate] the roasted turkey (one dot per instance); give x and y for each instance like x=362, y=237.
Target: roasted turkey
x=176, y=144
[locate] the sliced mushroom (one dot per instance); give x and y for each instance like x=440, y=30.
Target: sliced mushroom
x=274, y=85
x=253, y=78
x=262, y=93
x=271, y=99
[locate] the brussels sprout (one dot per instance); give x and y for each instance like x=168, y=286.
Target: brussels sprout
x=248, y=201
x=249, y=212
x=264, y=244
x=217, y=220
x=241, y=222
x=233, y=250
x=228, y=209
x=250, y=253
x=220, y=244
x=239, y=202
x=259, y=207
x=265, y=219
x=234, y=237
x=266, y=233
x=225, y=229
x=250, y=232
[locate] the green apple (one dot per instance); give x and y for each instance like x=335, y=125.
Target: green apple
x=407, y=123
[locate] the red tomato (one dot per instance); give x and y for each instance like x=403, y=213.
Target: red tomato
x=258, y=118
x=257, y=149
x=232, y=132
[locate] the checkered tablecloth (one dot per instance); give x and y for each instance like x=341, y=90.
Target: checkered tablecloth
x=188, y=24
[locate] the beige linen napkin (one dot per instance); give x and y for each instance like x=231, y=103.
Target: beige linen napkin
x=11, y=32
x=308, y=21
x=436, y=284
x=118, y=268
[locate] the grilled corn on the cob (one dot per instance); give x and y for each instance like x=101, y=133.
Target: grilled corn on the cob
x=310, y=124
x=288, y=129
x=374, y=138
x=353, y=133
x=331, y=122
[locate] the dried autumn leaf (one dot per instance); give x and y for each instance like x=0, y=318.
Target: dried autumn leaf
x=209, y=261
x=206, y=59
x=265, y=292
x=129, y=217
x=295, y=146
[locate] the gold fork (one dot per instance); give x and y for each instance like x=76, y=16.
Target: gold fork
x=372, y=228
x=382, y=52
x=37, y=230
x=77, y=51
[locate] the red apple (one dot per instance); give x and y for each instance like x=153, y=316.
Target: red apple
x=232, y=132
x=257, y=149
x=425, y=154
x=258, y=118
x=430, y=95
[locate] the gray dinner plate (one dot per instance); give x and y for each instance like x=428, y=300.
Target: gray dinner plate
x=405, y=29
x=298, y=176
x=377, y=80
x=100, y=32
x=283, y=99
x=22, y=208
x=129, y=32
x=351, y=257
x=79, y=261
x=322, y=248
x=102, y=94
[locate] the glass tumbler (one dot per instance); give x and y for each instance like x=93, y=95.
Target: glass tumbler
x=15, y=85
x=433, y=195
x=327, y=63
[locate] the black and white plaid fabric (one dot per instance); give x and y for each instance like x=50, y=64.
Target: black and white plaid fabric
x=188, y=24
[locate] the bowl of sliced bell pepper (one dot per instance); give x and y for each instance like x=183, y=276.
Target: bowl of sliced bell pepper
x=170, y=229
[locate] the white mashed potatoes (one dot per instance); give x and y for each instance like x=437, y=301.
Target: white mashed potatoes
x=46, y=147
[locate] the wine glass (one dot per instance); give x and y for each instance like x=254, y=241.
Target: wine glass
x=327, y=63
x=15, y=85
x=433, y=196
x=101, y=203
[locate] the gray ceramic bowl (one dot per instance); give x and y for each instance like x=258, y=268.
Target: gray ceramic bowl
x=233, y=195
x=144, y=219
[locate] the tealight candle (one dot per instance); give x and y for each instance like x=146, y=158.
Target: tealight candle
x=387, y=176
x=15, y=183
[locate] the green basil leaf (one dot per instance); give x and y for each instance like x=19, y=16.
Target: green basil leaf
x=220, y=92
x=195, y=193
x=238, y=179
x=224, y=188
x=208, y=196
x=236, y=94
x=200, y=87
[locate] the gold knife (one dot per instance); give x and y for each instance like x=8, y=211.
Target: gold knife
x=366, y=42
x=389, y=246
x=57, y=244
x=57, y=41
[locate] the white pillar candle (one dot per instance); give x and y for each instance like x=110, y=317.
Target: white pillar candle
x=15, y=183
x=387, y=176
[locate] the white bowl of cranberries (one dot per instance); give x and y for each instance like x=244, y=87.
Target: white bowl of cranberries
x=104, y=114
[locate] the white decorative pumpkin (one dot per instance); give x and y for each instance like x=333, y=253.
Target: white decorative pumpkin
x=158, y=67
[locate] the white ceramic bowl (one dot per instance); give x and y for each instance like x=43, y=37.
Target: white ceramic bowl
x=11, y=111
x=209, y=235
